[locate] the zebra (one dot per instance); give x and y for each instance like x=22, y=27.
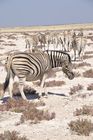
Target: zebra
x=42, y=39
x=31, y=42
x=35, y=41
x=78, y=45
x=34, y=66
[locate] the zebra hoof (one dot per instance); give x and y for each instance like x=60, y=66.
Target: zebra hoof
x=44, y=95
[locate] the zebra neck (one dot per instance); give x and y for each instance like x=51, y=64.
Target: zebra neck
x=55, y=61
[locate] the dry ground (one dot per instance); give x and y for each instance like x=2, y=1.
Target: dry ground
x=63, y=99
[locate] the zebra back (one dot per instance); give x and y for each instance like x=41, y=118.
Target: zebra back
x=23, y=64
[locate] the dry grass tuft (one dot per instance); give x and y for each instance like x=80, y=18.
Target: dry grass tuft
x=10, y=44
x=11, y=136
x=2, y=41
x=85, y=110
x=88, y=73
x=90, y=87
x=12, y=36
x=35, y=116
x=89, y=44
x=28, y=109
x=89, y=52
x=75, y=89
x=19, y=105
x=81, y=127
x=87, y=56
x=81, y=65
x=54, y=83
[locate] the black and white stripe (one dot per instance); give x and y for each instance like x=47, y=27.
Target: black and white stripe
x=35, y=66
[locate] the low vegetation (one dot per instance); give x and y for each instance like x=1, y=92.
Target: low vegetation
x=81, y=65
x=89, y=52
x=19, y=105
x=81, y=127
x=88, y=73
x=87, y=56
x=75, y=89
x=29, y=110
x=7, y=135
x=85, y=110
x=2, y=41
x=11, y=44
x=54, y=83
x=90, y=87
x=12, y=36
x=35, y=116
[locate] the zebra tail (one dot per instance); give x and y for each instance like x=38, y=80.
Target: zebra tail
x=8, y=64
x=6, y=83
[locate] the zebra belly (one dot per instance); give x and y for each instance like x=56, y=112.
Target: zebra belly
x=32, y=77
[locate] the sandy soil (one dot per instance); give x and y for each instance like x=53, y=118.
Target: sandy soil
x=63, y=106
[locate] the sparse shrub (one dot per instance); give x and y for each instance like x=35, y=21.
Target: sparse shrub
x=25, y=33
x=28, y=109
x=19, y=105
x=11, y=44
x=34, y=115
x=54, y=83
x=89, y=44
x=87, y=56
x=11, y=136
x=12, y=36
x=75, y=89
x=88, y=52
x=88, y=73
x=2, y=41
x=90, y=87
x=81, y=127
x=85, y=110
x=90, y=33
x=81, y=65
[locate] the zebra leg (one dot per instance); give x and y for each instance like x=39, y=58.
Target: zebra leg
x=81, y=53
x=11, y=86
x=74, y=55
x=42, y=85
x=21, y=87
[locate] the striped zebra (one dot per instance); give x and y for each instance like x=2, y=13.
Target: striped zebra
x=78, y=45
x=31, y=42
x=34, y=66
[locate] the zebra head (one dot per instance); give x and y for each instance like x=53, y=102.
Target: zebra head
x=67, y=69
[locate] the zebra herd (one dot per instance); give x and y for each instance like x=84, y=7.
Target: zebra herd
x=35, y=63
x=66, y=41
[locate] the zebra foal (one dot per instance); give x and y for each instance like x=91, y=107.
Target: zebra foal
x=34, y=66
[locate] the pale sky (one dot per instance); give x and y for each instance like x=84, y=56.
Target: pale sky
x=45, y=12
